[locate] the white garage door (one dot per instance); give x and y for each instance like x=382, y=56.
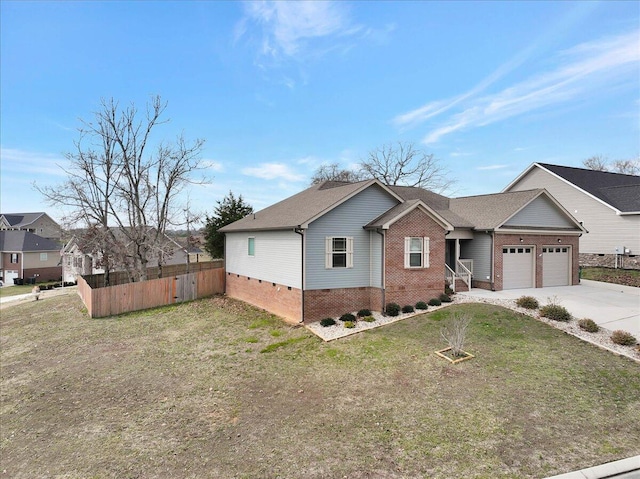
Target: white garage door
x=9, y=276
x=517, y=267
x=556, y=263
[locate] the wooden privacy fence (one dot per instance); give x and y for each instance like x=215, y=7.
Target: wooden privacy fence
x=122, y=277
x=124, y=298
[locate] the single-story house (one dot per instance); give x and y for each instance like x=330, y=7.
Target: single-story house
x=337, y=247
x=79, y=259
x=25, y=255
x=607, y=204
x=39, y=223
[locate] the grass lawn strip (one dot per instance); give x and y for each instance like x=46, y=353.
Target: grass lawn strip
x=186, y=391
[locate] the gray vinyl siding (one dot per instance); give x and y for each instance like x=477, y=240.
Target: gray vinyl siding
x=479, y=250
x=606, y=229
x=277, y=256
x=346, y=220
x=540, y=212
x=375, y=253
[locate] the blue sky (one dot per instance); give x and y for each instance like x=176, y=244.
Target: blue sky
x=276, y=89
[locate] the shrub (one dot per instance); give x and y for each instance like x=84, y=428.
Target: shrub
x=528, y=302
x=326, y=322
x=448, y=290
x=369, y=319
x=435, y=302
x=555, y=312
x=363, y=313
x=421, y=305
x=347, y=317
x=392, y=309
x=408, y=309
x=455, y=333
x=623, y=338
x=349, y=324
x=445, y=298
x=589, y=325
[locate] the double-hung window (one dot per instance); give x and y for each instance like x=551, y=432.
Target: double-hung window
x=416, y=252
x=14, y=258
x=339, y=252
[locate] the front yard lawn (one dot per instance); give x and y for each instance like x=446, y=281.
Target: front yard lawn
x=215, y=388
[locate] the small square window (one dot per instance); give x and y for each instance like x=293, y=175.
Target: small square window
x=43, y=256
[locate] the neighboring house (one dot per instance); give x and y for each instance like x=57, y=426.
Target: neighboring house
x=40, y=224
x=25, y=255
x=607, y=204
x=338, y=247
x=77, y=262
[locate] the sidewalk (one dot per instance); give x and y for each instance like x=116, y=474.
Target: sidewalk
x=50, y=293
x=624, y=469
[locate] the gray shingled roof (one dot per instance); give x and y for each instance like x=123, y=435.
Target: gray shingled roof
x=490, y=211
x=299, y=209
x=438, y=203
x=618, y=190
x=15, y=241
x=19, y=220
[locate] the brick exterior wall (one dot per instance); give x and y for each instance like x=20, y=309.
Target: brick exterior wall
x=609, y=261
x=322, y=303
x=408, y=286
x=276, y=298
x=44, y=274
x=537, y=241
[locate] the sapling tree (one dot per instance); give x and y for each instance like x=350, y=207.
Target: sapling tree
x=455, y=333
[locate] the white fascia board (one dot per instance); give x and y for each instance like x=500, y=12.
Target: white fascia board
x=519, y=177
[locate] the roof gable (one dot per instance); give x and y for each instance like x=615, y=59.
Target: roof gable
x=540, y=212
x=618, y=191
x=385, y=220
x=19, y=220
x=299, y=210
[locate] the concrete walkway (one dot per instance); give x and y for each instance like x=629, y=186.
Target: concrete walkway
x=624, y=469
x=611, y=306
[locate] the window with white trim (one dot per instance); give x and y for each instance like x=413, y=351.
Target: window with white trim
x=251, y=246
x=44, y=256
x=338, y=252
x=14, y=258
x=416, y=252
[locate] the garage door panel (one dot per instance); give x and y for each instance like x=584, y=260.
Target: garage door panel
x=556, y=266
x=517, y=267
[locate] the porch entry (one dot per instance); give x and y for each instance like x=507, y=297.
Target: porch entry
x=457, y=268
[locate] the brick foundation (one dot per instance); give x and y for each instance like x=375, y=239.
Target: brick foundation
x=609, y=261
x=53, y=273
x=537, y=241
x=278, y=299
x=323, y=303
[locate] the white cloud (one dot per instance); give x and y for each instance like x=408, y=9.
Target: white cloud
x=287, y=26
x=491, y=167
x=212, y=165
x=583, y=71
x=32, y=163
x=272, y=171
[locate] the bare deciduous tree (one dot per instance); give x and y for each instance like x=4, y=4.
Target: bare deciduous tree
x=120, y=184
x=333, y=172
x=625, y=167
x=403, y=164
x=596, y=163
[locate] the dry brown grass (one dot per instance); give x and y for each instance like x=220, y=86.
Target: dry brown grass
x=215, y=388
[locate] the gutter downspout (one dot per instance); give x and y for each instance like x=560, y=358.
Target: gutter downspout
x=493, y=259
x=300, y=231
x=383, y=282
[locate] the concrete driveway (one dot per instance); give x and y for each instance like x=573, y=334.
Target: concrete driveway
x=612, y=306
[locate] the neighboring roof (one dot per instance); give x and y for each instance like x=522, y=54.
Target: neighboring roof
x=20, y=220
x=621, y=192
x=488, y=212
x=301, y=209
x=15, y=241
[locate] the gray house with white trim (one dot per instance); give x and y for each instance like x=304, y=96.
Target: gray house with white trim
x=338, y=247
x=607, y=204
